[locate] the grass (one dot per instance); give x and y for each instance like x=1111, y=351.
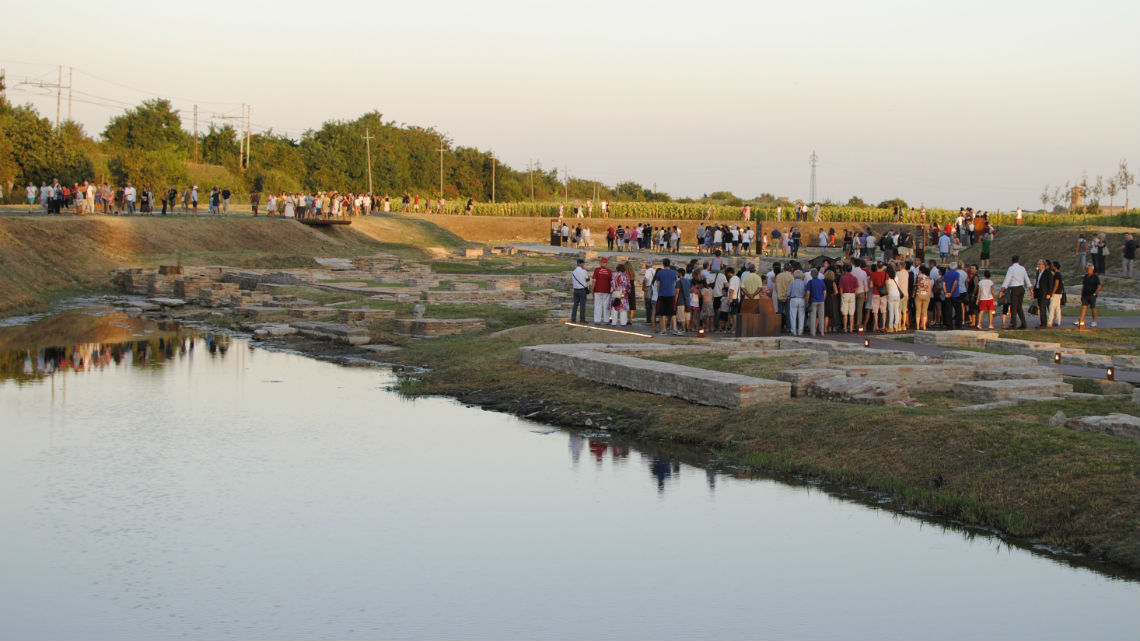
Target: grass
x=1109, y=342
x=501, y=265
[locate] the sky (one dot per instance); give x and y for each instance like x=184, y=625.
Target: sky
x=966, y=103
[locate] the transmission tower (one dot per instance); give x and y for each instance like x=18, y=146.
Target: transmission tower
x=814, y=162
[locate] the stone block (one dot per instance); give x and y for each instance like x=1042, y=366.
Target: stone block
x=333, y=332
x=1126, y=362
x=926, y=378
x=801, y=378
x=436, y=327
x=701, y=386
x=1001, y=390
x=363, y=315
x=983, y=359
x=858, y=390
x=1086, y=360
x=954, y=338
x=1015, y=373
x=504, y=284
x=1124, y=425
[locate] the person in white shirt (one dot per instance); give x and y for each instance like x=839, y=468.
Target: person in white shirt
x=985, y=298
x=129, y=195
x=1017, y=282
x=647, y=290
x=579, y=282
x=823, y=238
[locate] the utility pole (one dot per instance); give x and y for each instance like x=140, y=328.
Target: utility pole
x=70, y=81
x=195, y=134
x=565, y=183
x=441, y=168
x=248, y=117
x=368, y=154
x=492, y=177
x=58, y=95
x=814, y=161
x=530, y=172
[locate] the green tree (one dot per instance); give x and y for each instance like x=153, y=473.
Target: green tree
x=219, y=146
x=145, y=168
x=31, y=150
x=629, y=190
x=152, y=126
x=856, y=201
x=888, y=204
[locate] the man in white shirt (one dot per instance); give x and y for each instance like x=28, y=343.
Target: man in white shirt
x=129, y=195
x=1016, y=281
x=579, y=280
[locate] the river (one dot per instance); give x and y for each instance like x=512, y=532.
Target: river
x=192, y=485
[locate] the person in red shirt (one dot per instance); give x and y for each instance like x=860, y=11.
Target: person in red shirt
x=602, y=285
x=848, y=286
x=878, y=296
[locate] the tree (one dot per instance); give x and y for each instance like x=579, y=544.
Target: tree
x=629, y=190
x=1045, y=198
x=147, y=168
x=220, y=146
x=856, y=201
x=1125, y=178
x=31, y=150
x=894, y=202
x=152, y=126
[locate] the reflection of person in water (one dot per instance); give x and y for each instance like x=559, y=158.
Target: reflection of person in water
x=618, y=452
x=575, y=447
x=598, y=448
x=662, y=470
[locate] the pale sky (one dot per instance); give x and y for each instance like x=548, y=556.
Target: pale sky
x=963, y=103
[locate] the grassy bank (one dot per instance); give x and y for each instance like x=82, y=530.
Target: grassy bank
x=44, y=259
x=1004, y=468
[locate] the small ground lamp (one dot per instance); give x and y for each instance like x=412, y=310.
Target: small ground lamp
x=1056, y=358
x=1111, y=374
x=701, y=333
x=866, y=342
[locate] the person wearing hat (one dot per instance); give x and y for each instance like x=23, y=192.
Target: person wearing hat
x=603, y=281
x=579, y=280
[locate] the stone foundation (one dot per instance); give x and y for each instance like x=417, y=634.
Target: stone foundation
x=435, y=327
x=706, y=387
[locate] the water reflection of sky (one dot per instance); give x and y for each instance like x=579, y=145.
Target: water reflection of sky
x=261, y=494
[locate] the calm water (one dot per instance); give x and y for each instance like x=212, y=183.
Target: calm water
x=202, y=488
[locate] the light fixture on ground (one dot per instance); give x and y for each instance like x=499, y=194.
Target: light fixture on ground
x=1056, y=358
x=1111, y=374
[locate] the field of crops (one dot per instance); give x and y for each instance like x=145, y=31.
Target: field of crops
x=836, y=214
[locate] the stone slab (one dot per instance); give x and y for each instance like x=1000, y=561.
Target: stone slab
x=928, y=378
x=701, y=386
x=333, y=332
x=802, y=378
x=1124, y=425
x=1001, y=390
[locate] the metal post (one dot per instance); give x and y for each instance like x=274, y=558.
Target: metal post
x=368, y=151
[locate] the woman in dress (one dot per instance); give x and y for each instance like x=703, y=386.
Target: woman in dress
x=620, y=286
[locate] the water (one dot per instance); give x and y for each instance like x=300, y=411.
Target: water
x=196, y=487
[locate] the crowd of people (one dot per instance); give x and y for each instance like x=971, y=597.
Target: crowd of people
x=858, y=293
x=89, y=198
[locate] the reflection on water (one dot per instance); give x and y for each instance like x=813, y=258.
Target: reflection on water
x=35, y=364
x=193, y=487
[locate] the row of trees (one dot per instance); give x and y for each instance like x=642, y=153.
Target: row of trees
x=147, y=146
x=1092, y=191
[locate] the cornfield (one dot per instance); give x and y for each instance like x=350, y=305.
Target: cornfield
x=828, y=214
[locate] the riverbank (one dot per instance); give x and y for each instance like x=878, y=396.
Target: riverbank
x=1004, y=469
